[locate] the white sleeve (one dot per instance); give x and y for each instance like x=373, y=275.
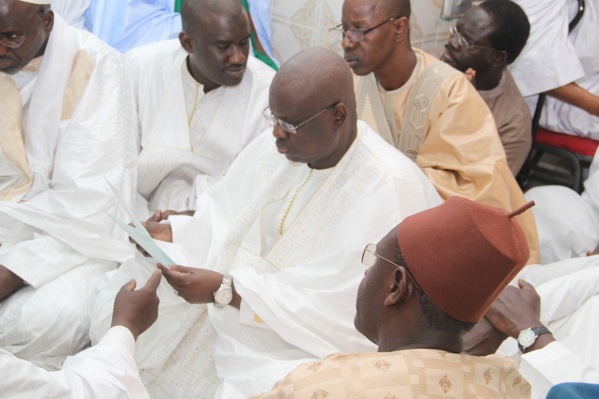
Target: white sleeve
x=97, y=144
x=106, y=370
x=552, y=365
x=549, y=59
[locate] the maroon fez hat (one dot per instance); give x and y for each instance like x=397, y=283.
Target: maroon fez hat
x=463, y=254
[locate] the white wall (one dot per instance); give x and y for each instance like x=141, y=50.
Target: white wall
x=297, y=24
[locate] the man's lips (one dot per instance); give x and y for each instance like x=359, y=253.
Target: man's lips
x=281, y=148
x=351, y=61
x=235, y=70
x=5, y=63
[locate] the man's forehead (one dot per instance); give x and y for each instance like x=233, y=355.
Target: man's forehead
x=361, y=11
x=14, y=12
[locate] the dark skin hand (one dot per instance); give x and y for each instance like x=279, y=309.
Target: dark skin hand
x=137, y=310
x=9, y=282
x=513, y=311
x=196, y=285
x=157, y=230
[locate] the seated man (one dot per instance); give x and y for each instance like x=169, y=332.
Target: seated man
x=66, y=128
x=276, y=237
x=429, y=280
x=200, y=101
x=565, y=65
x=106, y=370
x=426, y=109
x=554, y=328
x=485, y=41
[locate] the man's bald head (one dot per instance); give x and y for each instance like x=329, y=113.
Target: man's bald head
x=317, y=73
x=194, y=12
x=313, y=92
x=397, y=8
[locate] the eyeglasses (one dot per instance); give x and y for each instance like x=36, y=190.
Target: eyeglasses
x=9, y=39
x=462, y=42
x=288, y=127
x=355, y=35
x=369, y=257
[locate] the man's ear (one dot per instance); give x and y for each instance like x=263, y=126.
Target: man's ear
x=500, y=58
x=402, y=29
x=340, y=114
x=48, y=20
x=185, y=40
x=400, y=288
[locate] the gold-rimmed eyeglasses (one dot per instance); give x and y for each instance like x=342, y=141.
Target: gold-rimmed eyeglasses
x=10, y=39
x=369, y=258
x=288, y=127
x=355, y=35
x=462, y=42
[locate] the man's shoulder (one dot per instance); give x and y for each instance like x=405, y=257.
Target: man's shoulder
x=390, y=160
x=154, y=54
x=259, y=69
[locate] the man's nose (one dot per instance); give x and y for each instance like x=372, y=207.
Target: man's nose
x=279, y=132
x=346, y=42
x=3, y=49
x=237, y=56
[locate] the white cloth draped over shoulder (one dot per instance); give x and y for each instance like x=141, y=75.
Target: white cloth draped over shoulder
x=180, y=158
x=568, y=223
x=553, y=58
x=78, y=127
x=106, y=370
x=298, y=290
x=569, y=293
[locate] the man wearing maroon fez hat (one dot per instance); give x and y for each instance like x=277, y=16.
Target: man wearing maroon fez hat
x=429, y=280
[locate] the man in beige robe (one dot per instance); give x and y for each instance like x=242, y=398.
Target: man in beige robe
x=426, y=109
x=487, y=39
x=418, y=318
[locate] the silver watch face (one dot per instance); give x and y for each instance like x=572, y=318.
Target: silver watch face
x=526, y=338
x=223, y=296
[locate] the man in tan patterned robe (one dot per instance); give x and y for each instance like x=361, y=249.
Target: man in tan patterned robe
x=416, y=302
x=426, y=109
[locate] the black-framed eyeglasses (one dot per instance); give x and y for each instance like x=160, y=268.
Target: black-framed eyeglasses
x=288, y=127
x=355, y=35
x=9, y=39
x=462, y=42
x=369, y=257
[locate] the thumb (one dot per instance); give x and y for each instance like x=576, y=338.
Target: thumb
x=130, y=286
x=153, y=281
x=183, y=269
x=524, y=285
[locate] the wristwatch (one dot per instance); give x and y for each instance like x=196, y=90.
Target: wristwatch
x=224, y=294
x=528, y=337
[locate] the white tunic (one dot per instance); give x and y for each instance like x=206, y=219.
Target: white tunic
x=106, y=370
x=553, y=58
x=61, y=238
x=299, y=290
x=189, y=138
x=568, y=223
x=569, y=292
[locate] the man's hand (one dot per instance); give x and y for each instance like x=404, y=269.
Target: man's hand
x=483, y=339
x=193, y=284
x=9, y=282
x=137, y=310
x=516, y=309
x=158, y=231
x=471, y=76
x=159, y=215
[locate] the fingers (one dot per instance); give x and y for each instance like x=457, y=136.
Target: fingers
x=182, y=269
x=129, y=286
x=153, y=281
x=156, y=217
x=525, y=285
